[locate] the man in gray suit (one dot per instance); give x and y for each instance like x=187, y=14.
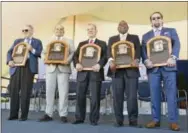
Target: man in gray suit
x=58, y=76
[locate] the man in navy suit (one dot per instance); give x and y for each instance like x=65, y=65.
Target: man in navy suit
x=124, y=80
x=166, y=73
x=22, y=76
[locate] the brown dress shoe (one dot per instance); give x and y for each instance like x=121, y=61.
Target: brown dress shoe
x=153, y=124
x=174, y=127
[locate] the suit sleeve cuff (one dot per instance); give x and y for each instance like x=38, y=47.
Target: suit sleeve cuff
x=110, y=59
x=174, y=57
x=33, y=51
x=146, y=61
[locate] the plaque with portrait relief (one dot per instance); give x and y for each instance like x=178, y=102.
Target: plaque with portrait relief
x=159, y=49
x=123, y=54
x=57, y=52
x=20, y=54
x=89, y=55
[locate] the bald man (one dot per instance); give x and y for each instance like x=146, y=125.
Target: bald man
x=91, y=80
x=57, y=75
x=124, y=80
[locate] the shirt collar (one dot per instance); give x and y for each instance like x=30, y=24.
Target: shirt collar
x=155, y=29
x=28, y=38
x=123, y=35
x=92, y=39
x=59, y=37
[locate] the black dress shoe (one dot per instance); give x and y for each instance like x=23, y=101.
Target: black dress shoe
x=12, y=118
x=133, y=123
x=94, y=123
x=45, y=118
x=118, y=124
x=22, y=119
x=78, y=122
x=64, y=119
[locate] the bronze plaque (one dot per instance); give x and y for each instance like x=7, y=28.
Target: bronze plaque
x=89, y=55
x=20, y=54
x=57, y=52
x=123, y=54
x=159, y=49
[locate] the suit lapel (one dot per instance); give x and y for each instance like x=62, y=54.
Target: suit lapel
x=128, y=37
x=151, y=34
x=96, y=41
x=162, y=31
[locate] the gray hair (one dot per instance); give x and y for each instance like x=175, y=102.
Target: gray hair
x=94, y=25
x=30, y=26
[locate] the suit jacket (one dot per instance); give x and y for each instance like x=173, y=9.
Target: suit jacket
x=131, y=72
x=33, y=58
x=169, y=32
x=95, y=76
x=62, y=68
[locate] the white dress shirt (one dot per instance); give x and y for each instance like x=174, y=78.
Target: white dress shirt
x=26, y=41
x=123, y=36
x=93, y=39
x=157, y=31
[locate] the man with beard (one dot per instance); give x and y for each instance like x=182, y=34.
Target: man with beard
x=124, y=80
x=166, y=73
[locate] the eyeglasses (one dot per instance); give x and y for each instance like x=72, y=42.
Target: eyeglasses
x=25, y=30
x=155, y=18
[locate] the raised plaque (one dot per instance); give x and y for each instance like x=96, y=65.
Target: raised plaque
x=20, y=54
x=159, y=49
x=123, y=54
x=89, y=55
x=57, y=52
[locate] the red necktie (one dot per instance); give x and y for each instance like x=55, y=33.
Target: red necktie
x=91, y=41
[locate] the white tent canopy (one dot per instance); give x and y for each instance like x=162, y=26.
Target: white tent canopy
x=40, y=14
x=134, y=12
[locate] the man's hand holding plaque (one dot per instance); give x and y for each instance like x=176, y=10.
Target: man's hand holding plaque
x=135, y=63
x=79, y=67
x=29, y=47
x=171, y=62
x=112, y=66
x=11, y=63
x=96, y=68
x=148, y=63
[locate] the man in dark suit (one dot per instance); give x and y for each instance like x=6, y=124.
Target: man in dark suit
x=91, y=80
x=166, y=73
x=124, y=79
x=22, y=76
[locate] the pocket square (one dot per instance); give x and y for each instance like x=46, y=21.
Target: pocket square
x=166, y=33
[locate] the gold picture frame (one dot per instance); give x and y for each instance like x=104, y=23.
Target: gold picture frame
x=57, y=52
x=89, y=55
x=123, y=53
x=20, y=54
x=159, y=49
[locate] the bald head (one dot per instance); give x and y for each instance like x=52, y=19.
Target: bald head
x=123, y=27
x=59, y=30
